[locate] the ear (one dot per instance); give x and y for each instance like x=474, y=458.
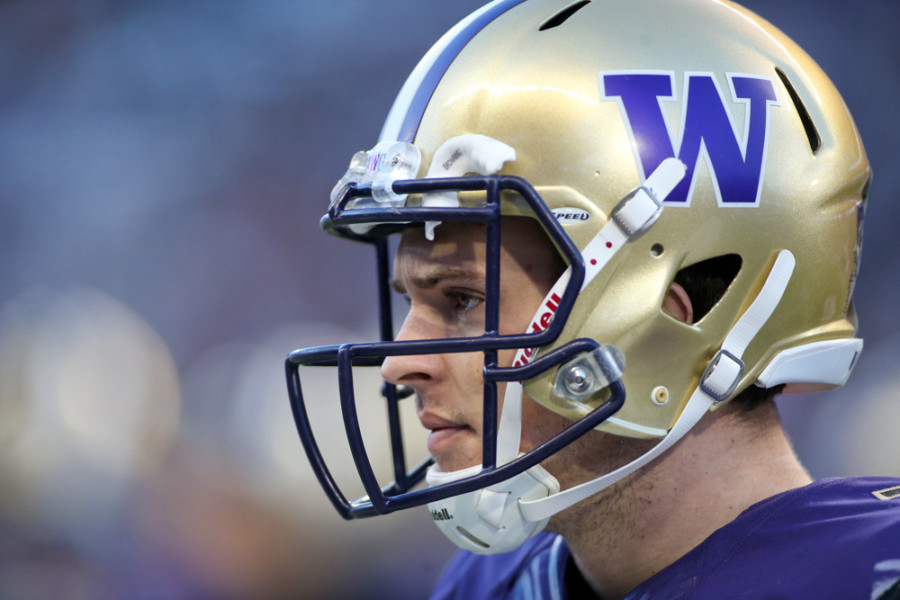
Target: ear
x=677, y=304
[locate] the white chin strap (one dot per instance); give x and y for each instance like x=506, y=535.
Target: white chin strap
x=494, y=520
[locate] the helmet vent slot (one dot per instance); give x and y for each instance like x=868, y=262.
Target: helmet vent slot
x=812, y=134
x=707, y=281
x=563, y=15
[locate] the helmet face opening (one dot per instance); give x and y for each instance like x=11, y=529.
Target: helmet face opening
x=379, y=222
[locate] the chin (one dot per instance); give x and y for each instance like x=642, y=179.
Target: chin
x=453, y=462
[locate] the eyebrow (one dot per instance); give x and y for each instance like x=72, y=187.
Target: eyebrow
x=437, y=276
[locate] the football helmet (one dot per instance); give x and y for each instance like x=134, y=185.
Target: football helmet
x=646, y=137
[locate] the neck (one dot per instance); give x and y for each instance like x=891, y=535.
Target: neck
x=631, y=531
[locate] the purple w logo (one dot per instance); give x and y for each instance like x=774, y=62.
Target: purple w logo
x=734, y=156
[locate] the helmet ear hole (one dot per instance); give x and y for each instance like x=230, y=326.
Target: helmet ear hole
x=707, y=281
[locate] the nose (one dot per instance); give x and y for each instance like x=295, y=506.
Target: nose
x=414, y=370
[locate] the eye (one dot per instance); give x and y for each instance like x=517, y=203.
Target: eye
x=464, y=301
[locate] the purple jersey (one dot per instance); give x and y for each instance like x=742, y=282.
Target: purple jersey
x=835, y=538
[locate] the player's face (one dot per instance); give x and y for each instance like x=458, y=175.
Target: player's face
x=444, y=280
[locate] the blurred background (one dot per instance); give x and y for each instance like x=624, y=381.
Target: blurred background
x=163, y=166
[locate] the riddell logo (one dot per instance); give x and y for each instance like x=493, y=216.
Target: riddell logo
x=539, y=324
x=441, y=515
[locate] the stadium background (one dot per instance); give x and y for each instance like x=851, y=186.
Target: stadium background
x=162, y=169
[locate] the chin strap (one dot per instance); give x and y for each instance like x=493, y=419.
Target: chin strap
x=489, y=520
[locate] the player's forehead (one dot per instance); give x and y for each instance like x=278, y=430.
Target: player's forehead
x=457, y=252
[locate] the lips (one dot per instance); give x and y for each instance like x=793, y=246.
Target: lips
x=443, y=432
x=439, y=440
x=432, y=421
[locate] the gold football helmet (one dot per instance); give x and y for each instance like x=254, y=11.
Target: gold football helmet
x=660, y=136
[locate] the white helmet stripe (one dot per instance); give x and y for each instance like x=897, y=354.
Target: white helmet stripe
x=406, y=113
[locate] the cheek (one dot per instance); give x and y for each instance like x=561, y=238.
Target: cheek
x=539, y=424
x=466, y=372
x=505, y=357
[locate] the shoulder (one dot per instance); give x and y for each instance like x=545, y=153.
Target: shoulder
x=502, y=576
x=835, y=535
x=832, y=538
x=860, y=508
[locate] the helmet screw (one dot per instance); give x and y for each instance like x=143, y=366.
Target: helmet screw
x=578, y=380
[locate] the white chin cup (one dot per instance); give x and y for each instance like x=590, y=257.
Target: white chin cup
x=489, y=521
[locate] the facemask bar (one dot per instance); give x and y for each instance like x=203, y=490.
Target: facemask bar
x=397, y=496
